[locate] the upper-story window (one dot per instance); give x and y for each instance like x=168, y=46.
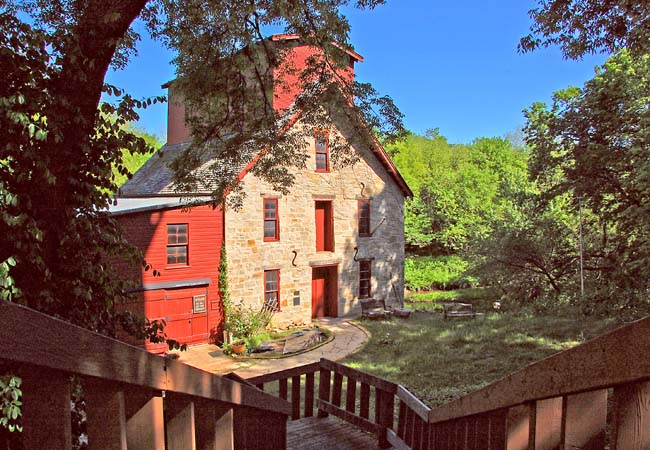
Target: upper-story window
x=364, y=217
x=271, y=220
x=322, y=153
x=177, y=244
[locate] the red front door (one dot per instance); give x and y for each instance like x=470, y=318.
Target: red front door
x=324, y=292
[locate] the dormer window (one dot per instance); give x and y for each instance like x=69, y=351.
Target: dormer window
x=322, y=153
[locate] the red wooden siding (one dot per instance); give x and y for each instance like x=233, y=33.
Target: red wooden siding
x=148, y=231
x=287, y=78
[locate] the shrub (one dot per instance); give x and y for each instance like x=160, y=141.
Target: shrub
x=243, y=321
x=440, y=272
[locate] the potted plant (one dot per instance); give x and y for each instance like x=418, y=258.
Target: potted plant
x=238, y=347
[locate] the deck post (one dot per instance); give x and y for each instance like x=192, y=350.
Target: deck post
x=180, y=425
x=106, y=415
x=385, y=404
x=632, y=416
x=323, y=389
x=145, y=429
x=46, y=410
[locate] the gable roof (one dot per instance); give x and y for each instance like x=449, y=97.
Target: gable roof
x=155, y=178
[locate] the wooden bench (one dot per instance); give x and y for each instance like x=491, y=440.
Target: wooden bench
x=373, y=308
x=458, y=310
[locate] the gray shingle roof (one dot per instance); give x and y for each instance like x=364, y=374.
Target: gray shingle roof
x=155, y=176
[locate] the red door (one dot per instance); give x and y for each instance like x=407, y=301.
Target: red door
x=324, y=292
x=324, y=227
x=177, y=310
x=318, y=293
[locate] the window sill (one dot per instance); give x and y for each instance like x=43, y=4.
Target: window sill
x=271, y=240
x=322, y=171
x=178, y=267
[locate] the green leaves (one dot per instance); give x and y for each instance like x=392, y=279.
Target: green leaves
x=581, y=27
x=460, y=190
x=10, y=403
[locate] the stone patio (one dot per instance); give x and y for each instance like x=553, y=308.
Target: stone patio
x=348, y=338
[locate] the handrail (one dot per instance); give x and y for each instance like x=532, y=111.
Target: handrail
x=558, y=402
x=615, y=358
x=54, y=344
x=132, y=399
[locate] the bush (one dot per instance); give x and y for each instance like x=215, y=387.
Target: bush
x=244, y=321
x=440, y=272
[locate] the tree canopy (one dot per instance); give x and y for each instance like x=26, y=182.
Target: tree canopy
x=460, y=190
x=592, y=145
x=579, y=27
x=61, y=144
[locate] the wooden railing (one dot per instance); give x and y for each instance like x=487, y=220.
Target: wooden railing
x=133, y=399
x=593, y=396
x=370, y=407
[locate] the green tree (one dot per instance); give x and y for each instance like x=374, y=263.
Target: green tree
x=133, y=161
x=589, y=26
x=60, y=148
x=460, y=190
x=592, y=145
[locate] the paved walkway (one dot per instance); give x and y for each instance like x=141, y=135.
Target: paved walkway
x=348, y=339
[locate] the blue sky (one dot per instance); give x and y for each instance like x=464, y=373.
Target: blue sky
x=447, y=65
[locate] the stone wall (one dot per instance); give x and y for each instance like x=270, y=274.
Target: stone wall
x=249, y=255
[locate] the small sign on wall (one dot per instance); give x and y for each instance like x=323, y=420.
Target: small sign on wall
x=199, y=302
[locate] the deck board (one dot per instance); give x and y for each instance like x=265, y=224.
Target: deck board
x=330, y=433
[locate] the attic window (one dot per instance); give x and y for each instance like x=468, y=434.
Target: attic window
x=322, y=152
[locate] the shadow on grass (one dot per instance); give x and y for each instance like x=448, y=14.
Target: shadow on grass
x=440, y=360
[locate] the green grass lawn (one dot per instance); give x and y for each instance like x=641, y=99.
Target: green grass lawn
x=440, y=360
x=481, y=298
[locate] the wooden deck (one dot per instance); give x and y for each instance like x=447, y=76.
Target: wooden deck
x=330, y=433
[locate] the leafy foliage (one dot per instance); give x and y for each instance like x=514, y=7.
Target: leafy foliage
x=10, y=403
x=591, y=146
x=133, y=161
x=56, y=239
x=442, y=272
x=589, y=26
x=460, y=190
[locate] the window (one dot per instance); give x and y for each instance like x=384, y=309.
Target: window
x=322, y=153
x=364, y=279
x=177, y=244
x=324, y=227
x=364, y=217
x=272, y=289
x=271, y=220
